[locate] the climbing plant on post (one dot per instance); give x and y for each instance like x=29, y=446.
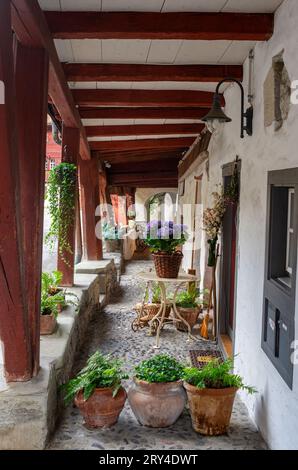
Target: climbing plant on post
x=61, y=197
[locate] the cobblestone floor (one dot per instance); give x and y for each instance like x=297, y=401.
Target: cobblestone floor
x=111, y=333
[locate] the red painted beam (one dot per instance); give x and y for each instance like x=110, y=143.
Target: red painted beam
x=119, y=179
x=141, y=156
x=149, y=25
x=150, y=73
x=31, y=29
x=90, y=199
x=142, y=113
x=14, y=325
x=150, y=129
x=162, y=98
x=32, y=70
x=142, y=144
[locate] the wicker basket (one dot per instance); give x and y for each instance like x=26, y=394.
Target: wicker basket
x=167, y=265
x=150, y=310
x=190, y=315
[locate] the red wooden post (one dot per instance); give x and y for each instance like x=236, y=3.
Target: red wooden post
x=89, y=179
x=14, y=330
x=70, y=154
x=31, y=71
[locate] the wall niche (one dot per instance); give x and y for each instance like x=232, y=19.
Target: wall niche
x=277, y=93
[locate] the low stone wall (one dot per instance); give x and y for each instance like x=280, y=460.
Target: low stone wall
x=29, y=411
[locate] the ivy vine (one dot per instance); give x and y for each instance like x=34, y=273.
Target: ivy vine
x=61, y=197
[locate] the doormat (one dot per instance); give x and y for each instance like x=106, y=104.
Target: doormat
x=200, y=357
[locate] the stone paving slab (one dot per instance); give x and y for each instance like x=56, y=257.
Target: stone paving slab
x=111, y=333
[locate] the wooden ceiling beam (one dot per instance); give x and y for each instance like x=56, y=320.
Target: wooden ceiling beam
x=161, y=98
x=140, y=156
x=155, y=25
x=150, y=73
x=142, y=113
x=150, y=129
x=142, y=144
x=31, y=29
x=132, y=178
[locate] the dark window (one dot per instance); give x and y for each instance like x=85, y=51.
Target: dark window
x=280, y=279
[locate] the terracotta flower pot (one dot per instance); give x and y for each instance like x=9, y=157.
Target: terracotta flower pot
x=190, y=315
x=210, y=408
x=167, y=265
x=101, y=409
x=48, y=324
x=157, y=405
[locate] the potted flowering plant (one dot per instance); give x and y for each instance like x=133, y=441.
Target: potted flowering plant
x=163, y=239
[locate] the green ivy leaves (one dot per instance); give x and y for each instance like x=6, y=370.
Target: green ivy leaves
x=61, y=197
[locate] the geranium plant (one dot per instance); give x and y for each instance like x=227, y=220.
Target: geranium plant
x=165, y=236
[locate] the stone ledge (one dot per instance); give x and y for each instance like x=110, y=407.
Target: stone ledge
x=93, y=267
x=29, y=410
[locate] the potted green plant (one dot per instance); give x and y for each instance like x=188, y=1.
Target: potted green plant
x=157, y=397
x=51, y=282
x=53, y=299
x=164, y=239
x=211, y=392
x=112, y=237
x=49, y=309
x=189, y=305
x=97, y=390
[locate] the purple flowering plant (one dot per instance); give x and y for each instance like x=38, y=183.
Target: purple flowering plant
x=165, y=236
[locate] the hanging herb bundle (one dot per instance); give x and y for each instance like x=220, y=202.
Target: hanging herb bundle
x=61, y=197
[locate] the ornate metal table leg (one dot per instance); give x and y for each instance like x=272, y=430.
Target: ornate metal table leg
x=160, y=316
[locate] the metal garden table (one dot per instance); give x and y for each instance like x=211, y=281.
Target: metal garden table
x=160, y=317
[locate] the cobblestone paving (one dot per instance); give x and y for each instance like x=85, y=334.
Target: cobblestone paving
x=111, y=333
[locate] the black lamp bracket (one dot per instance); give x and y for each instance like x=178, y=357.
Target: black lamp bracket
x=246, y=116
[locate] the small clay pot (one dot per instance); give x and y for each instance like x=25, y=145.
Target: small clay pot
x=101, y=409
x=157, y=405
x=48, y=324
x=210, y=408
x=190, y=315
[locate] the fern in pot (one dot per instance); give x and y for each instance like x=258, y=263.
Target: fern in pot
x=157, y=397
x=211, y=393
x=97, y=390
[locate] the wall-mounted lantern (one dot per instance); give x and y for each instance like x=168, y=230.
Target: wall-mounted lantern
x=216, y=115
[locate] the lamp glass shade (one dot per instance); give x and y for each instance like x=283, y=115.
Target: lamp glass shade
x=216, y=113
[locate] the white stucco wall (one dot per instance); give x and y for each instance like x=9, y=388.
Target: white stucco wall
x=142, y=196
x=275, y=408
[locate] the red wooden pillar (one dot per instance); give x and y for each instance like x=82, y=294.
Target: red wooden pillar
x=88, y=175
x=31, y=72
x=70, y=154
x=14, y=330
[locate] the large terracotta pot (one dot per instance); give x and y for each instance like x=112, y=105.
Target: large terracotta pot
x=157, y=405
x=101, y=409
x=167, y=265
x=188, y=314
x=210, y=409
x=48, y=324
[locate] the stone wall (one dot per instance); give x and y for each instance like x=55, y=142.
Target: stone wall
x=29, y=411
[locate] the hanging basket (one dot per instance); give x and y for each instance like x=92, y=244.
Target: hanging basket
x=167, y=265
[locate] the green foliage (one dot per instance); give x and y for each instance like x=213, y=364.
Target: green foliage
x=189, y=298
x=112, y=232
x=215, y=374
x=51, y=281
x=61, y=196
x=165, y=236
x=53, y=297
x=160, y=368
x=100, y=372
